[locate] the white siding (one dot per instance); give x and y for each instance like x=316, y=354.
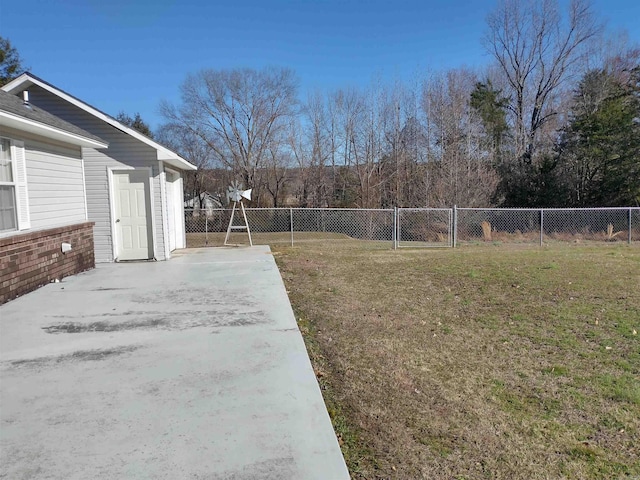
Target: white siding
x=54, y=180
x=124, y=152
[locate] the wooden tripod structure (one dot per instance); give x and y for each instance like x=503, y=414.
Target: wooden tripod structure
x=238, y=227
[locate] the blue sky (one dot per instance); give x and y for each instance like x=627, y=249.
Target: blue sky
x=131, y=54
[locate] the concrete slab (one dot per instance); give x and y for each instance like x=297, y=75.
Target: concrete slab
x=192, y=368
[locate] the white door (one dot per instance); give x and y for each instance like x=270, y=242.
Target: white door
x=134, y=239
x=171, y=209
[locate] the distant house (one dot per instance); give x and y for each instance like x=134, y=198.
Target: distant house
x=205, y=201
x=43, y=205
x=134, y=186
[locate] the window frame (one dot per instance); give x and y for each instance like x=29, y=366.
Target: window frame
x=12, y=184
x=22, y=211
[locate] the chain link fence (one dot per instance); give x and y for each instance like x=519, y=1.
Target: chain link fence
x=289, y=225
x=497, y=225
x=425, y=227
x=578, y=225
x=416, y=227
x=361, y=224
x=539, y=226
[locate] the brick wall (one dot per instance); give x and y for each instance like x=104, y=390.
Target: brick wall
x=30, y=260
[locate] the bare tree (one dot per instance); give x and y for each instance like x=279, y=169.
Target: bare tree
x=319, y=150
x=276, y=170
x=536, y=50
x=195, y=150
x=238, y=113
x=459, y=173
x=404, y=140
x=368, y=148
x=347, y=110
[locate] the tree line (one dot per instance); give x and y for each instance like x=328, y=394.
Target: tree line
x=552, y=121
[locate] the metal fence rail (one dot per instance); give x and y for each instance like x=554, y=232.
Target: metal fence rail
x=418, y=227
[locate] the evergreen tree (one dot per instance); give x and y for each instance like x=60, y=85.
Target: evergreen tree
x=136, y=122
x=10, y=62
x=491, y=106
x=599, y=151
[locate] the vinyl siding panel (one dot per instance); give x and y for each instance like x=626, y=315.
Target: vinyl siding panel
x=124, y=152
x=54, y=180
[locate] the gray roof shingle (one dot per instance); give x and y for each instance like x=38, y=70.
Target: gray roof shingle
x=15, y=105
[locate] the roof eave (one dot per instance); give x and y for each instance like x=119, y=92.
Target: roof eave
x=25, y=80
x=16, y=84
x=20, y=123
x=176, y=161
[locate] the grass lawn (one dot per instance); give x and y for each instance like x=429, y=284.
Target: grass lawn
x=216, y=239
x=481, y=362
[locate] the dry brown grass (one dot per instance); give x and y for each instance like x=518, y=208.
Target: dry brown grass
x=480, y=362
x=216, y=239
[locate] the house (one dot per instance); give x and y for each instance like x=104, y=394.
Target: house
x=134, y=186
x=45, y=232
x=205, y=201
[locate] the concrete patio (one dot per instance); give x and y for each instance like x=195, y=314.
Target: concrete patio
x=191, y=368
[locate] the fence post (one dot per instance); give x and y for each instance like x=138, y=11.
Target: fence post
x=206, y=227
x=455, y=225
x=629, y=239
x=395, y=228
x=291, y=223
x=541, y=225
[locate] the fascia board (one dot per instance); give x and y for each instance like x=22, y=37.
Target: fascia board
x=27, y=125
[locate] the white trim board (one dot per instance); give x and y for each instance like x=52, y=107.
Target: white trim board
x=153, y=216
x=165, y=212
x=177, y=207
x=20, y=123
x=164, y=154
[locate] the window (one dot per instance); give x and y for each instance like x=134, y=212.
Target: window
x=8, y=210
x=14, y=195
